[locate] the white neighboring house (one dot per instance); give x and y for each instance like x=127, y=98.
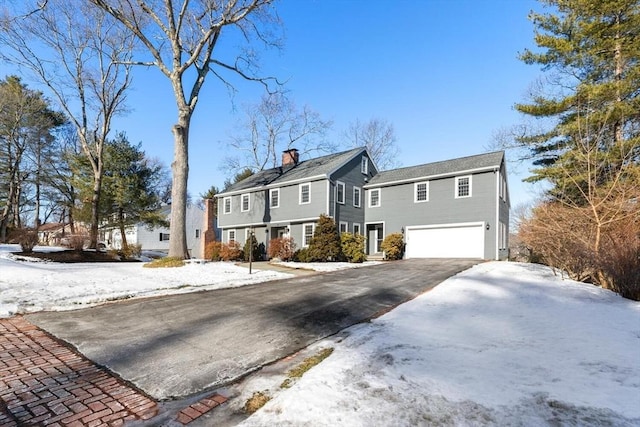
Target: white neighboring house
x=199, y=223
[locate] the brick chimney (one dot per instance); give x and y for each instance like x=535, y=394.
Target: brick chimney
x=290, y=157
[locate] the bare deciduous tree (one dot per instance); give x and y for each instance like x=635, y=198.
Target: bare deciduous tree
x=379, y=136
x=77, y=52
x=180, y=37
x=272, y=126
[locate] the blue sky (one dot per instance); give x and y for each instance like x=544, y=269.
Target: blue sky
x=445, y=73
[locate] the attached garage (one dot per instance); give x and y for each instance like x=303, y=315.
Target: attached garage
x=464, y=240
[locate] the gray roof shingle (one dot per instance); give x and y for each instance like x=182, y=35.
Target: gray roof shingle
x=480, y=161
x=318, y=166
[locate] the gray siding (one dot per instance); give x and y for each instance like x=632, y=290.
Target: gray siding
x=289, y=209
x=398, y=208
x=351, y=176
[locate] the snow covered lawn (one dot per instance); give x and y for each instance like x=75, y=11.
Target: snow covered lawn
x=500, y=344
x=34, y=286
x=30, y=286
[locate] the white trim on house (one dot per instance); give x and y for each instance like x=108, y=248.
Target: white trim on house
x=457, y=187
x=498, y=222
x=366, y=235
x=300, y=186
x=432, y=177
x=358, y=226
x=472, y=248
x=340, y=184
x=242, y=196
x=364, y=165
x=329, y=197
x=379, y=190
x=359, y=198
x=275, y=191
x=269, y=186
x=305, y=243
x=415, y=191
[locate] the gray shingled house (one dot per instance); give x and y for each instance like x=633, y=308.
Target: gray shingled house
x=452, y=209
x=289, y=199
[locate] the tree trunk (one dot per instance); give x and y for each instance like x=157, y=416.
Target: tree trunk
x=123, y=234
x=180, y=169
x=95, y=211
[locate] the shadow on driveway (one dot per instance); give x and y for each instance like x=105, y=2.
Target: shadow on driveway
x=179, y=345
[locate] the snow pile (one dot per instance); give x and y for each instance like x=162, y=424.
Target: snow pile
x=35, y=286
x=500, y=344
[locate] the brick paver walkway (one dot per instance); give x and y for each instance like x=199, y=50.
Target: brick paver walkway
x=43, y=382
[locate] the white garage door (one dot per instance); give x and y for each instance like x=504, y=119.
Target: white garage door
x=451, y=241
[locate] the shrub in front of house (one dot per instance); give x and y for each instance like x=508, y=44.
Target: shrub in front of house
x=212, y=251
x=252, y=247
x=393, y=246
x=231, y=251
x=325, y=244
x=132, y=251
x=27, y=238
x=353, y=247
x=282, y=248
x=301, y=255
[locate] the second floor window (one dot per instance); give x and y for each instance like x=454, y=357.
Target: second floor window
x=357, y=196
x=244, y=206
x=422, y=192
x=374, y=198
x=305, y=193
x=227, y=205
x=340, y=192
x=274, y=198
x=463, y=186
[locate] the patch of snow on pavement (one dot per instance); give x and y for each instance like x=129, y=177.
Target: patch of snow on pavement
x=499, y=344
x=325, y=266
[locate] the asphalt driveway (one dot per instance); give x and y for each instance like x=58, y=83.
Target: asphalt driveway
x=178, y=345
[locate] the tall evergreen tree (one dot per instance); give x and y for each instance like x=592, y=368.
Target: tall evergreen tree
x=26, y=125
x=592, y=50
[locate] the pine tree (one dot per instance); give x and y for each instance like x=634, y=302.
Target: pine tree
x=592, y=50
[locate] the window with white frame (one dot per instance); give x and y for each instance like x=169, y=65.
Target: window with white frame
x=244, y=202
x=197, y=233
x=357, y=197
x=463, y=186
x=226, y=202
x=364, y=165
x=307, y=233
x=305, y=193
x=340, y=189
x=356, y=228
x=274, y=198
x=231, y=236
x=344, y=226
x=421, y=192
x=374, y=198
x=164, y=237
